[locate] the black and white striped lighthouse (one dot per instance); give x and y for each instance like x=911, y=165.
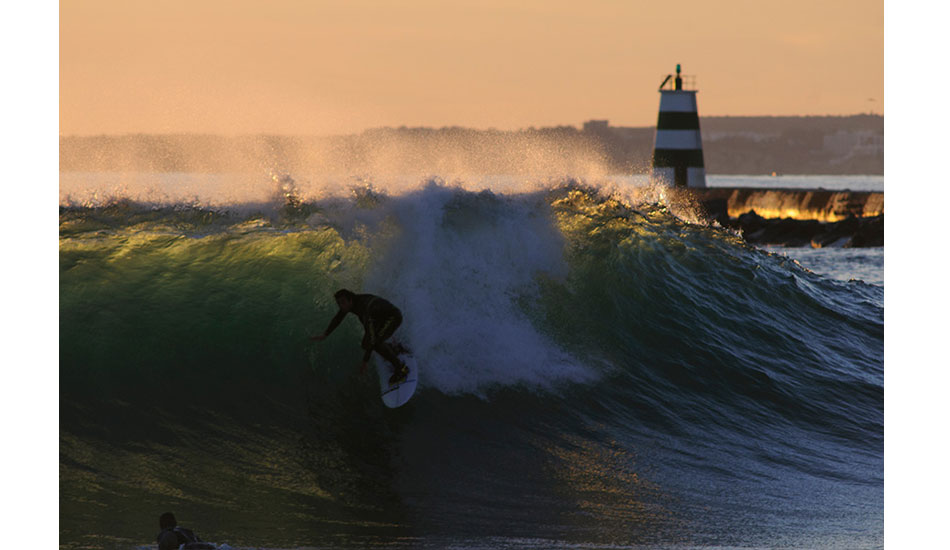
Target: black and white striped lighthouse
x=678, y=146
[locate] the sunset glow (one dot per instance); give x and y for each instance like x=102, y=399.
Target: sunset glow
x=318, y=67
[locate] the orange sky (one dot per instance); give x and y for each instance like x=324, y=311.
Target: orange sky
x=327, y=67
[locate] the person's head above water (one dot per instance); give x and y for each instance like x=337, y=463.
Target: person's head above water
x=344, y=298
x=167, y=521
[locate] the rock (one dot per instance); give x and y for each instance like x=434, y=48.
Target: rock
x=850, y=232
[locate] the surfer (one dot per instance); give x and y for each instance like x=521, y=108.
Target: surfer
x=380, y=320
x=172, y=537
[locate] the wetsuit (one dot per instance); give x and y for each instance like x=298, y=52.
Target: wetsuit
x=380, y=320
x=173, y=538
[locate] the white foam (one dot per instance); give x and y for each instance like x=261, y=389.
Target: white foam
x=457, y=267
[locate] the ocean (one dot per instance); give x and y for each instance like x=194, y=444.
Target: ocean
x=598, y=369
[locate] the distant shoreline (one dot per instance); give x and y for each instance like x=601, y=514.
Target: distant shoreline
x=810, y=145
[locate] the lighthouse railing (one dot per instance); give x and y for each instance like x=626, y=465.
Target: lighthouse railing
x=689, y=83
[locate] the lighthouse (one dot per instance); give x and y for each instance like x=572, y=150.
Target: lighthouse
x=677, y=145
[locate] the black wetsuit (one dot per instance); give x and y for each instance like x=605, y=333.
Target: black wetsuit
x=173, y=538
x=380, y=320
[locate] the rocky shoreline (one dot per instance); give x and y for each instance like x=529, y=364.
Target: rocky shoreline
x=852, y=232
x=822, y=218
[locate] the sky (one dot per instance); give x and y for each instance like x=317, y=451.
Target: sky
x=318, y=67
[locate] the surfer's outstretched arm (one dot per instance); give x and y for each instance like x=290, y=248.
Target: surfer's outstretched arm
x=337, y=319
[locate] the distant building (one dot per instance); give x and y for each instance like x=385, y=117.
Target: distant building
x=595, y=126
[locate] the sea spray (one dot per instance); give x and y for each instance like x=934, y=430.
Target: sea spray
x=460, y=263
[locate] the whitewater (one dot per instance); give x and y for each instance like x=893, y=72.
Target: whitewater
x=599, y=368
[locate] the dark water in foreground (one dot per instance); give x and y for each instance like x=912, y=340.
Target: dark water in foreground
x=593, y=374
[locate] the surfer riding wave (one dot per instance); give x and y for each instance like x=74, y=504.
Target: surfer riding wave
x=380, y=320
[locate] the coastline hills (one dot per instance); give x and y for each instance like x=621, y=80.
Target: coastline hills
x=833, y=145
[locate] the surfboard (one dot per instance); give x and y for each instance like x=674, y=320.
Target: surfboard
x=397, y=395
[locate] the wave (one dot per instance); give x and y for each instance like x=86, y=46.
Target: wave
x=567, y=325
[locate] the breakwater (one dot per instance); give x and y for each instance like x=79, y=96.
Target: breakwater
x=798, y=217
x=822, y=205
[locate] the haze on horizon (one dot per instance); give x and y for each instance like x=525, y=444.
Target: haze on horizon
x=315, y=67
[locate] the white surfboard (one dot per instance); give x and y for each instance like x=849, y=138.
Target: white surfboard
x=397, y=394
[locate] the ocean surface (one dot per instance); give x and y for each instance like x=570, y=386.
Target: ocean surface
x=598, y=368
x=835, y=183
